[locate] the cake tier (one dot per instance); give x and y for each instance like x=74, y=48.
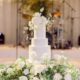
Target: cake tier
x=40, y=42
x=39, y=53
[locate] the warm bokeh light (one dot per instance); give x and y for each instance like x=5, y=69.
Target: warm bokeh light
x=57, y=14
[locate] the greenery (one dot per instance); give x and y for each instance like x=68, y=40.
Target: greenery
x=57, y=69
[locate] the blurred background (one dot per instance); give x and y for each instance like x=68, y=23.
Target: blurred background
x=62, y=31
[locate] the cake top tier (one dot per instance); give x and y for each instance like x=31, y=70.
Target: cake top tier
x=38, y=20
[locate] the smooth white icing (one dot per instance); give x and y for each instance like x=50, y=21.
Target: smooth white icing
x=39, y=48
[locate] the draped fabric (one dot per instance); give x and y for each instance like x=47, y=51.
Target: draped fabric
x=8, y=21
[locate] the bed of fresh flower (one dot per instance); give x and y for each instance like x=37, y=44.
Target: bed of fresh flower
x=57, y=69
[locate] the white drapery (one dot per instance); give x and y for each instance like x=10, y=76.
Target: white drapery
x=8, y=17
x=8, y=21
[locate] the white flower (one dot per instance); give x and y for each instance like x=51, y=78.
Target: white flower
x=2, y=71
x=38, y=68
x=23, y=78
x=60, y=58
x=10, y=71
x=26, y=72
x=68, y=70
x=20, y=64
x=38, y=20
x=37, y=14
x=57, y=57
x=79, y=78
x=42, y=9
x=35, y=78
x=57, y=76
x=68, y=77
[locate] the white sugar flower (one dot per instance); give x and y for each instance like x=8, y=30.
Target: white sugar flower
x=57, y=76
x=68, y=77
x=38, y=68
x=35, y=78
x=39, y=20
x=37, y=14
x=26, y=72
x=23, y=78
x=36, y=21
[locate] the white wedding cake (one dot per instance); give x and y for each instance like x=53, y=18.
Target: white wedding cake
x=39, y=48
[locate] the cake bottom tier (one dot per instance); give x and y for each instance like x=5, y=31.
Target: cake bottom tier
x=39, y=53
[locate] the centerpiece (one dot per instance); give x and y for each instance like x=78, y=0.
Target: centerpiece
x=57, y=69
x=40, y=66
x=39, y=47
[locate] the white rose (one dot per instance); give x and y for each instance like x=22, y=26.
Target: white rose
x=35, y=78
x=68, y=77
x=68, y=70
x=26, y=72
x=23, y=78
x=2, y=71
x=60, y=59
x=39, y=68
x=57, y=57
x=20, y=64
x=57, y=76
x=10, y=71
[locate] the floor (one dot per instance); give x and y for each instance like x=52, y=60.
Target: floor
x=8, y=54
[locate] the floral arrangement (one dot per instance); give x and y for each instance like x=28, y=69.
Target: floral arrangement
x=38, y=20
x=20, y=70
x=57, y=69
x=29, y=7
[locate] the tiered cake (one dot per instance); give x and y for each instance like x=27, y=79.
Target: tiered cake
x=39, y=48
